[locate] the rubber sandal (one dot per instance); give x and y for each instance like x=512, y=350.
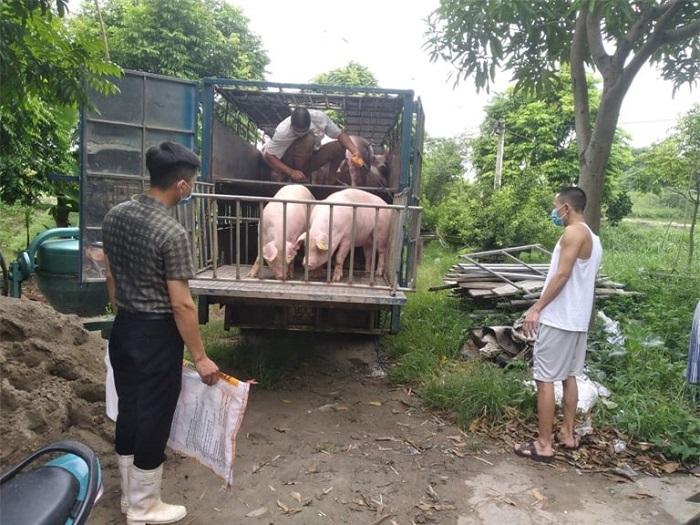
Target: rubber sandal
x=529, y=451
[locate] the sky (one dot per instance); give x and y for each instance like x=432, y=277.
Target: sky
x=304, y=38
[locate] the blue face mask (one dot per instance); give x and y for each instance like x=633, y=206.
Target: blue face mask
x=559, y=221
x=185, y=200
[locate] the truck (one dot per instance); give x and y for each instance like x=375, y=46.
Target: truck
x=227, y=121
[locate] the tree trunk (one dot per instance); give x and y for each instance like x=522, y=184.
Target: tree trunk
x=594, y=162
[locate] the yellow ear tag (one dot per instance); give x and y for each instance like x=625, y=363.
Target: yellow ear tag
x=323, y=245
x=290, y=257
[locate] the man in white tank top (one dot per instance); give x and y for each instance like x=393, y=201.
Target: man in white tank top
x=559, y=320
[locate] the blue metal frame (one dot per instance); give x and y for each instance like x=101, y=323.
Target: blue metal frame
x=194, y=101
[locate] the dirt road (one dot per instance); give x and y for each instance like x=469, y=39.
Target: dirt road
x=339, y=446
x=336, y=445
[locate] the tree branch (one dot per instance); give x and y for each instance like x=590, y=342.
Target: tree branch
x=638, y=29
x=656, y=40
x=676, y=35
x=595, y=40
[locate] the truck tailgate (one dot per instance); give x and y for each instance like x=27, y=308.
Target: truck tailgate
x=226, y=284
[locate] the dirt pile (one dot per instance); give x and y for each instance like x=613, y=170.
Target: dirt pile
x=52, y=381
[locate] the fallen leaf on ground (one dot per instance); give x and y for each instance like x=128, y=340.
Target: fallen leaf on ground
x=256, y=513
x=375, y=403
x=537, y=494
x=286, y=509
x=435, y=506
x=640, y=495
x=288, y=401
x=670, y=468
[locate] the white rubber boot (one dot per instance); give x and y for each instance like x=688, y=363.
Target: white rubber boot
x=125, y=463
x=145, y=505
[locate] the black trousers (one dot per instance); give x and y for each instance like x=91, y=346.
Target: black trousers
x=146, y=354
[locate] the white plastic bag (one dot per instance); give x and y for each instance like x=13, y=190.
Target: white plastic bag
x=588, y=392
x=206, y=420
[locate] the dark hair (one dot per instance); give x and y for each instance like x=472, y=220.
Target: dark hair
x=575, y=196
x=170, y=162
x=301, y=118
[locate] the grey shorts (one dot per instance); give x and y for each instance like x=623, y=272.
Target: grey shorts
x=558, y=354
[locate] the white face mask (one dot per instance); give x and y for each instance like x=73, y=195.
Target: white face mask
x=185, y=200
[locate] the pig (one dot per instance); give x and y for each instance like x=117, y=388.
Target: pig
x=318, y=249
x=358, y=174
x=323, y=175
x=271, y=230
x=376, y=177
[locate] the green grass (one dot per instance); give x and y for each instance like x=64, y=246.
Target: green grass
x=646, y=376
x=433, y=329
x=268, y=358
x=649, y=206
x=20, y=224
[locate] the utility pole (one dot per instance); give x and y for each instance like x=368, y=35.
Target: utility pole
x=501, y=130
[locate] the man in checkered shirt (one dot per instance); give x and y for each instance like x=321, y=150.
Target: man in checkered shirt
x=149, y=264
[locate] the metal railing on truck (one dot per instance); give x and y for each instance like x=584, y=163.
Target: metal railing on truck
x=225, y=240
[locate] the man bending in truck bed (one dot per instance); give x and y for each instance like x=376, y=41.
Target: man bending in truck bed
x=295, y=149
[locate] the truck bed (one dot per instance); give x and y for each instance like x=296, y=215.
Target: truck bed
x=232, y=283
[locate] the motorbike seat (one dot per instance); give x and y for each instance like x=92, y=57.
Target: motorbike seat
x=44, y=496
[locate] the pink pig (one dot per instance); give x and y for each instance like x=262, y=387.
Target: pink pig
x=365, y=219
x=271, y=230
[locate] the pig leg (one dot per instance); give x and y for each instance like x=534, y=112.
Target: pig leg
x=367, y=251
x=255, y=268
x=340, y=255
x=381, y=257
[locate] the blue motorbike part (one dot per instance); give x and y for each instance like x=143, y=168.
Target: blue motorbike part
x=61, y=492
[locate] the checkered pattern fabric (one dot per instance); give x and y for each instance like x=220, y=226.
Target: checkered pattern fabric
x=146, y=247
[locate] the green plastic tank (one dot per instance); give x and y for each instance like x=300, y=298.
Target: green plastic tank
x=58, y=264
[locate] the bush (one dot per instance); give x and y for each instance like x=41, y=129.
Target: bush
x=512, y=216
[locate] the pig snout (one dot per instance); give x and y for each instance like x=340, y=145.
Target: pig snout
x=278, y=241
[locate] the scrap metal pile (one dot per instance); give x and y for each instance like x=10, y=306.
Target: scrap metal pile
x=498, y=278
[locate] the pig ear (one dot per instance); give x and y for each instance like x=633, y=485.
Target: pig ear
x=300, y=241
x=269, y=251
x=322, y=241
x=291, y=252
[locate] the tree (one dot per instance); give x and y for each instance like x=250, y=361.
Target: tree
x=353, y=74
x=536, y=39
x=443, y=165
x=674, y=165
x=43, y=73
x=540, y=140
x=189, y=39
x=539, y=159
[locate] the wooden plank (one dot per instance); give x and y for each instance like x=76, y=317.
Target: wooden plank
x=506, y=289
x=481, y=293
x=531, y=284
x=480, y=285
